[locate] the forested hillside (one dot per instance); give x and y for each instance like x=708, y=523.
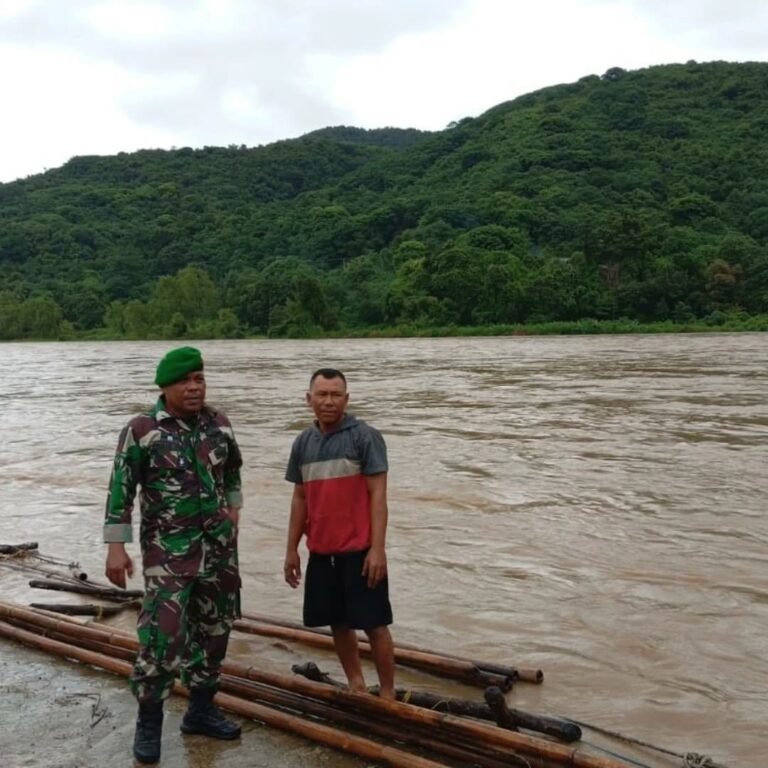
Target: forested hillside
x=633, y=195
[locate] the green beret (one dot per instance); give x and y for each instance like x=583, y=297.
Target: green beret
x=177, y=364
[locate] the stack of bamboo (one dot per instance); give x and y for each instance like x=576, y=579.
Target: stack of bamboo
x=391, y=733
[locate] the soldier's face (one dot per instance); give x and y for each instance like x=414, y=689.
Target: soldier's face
x=186, y=396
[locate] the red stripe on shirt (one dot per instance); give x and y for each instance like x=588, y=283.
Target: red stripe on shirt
x=338, y=517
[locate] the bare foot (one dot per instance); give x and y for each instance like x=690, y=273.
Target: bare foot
x=357, y=686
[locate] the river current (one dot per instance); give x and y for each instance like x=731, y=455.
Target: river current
x=593, y=506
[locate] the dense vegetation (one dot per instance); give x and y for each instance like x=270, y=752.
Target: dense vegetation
x=631, y=197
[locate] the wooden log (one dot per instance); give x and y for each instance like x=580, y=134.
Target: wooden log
x=324, y=734
x=495, y=700
x=464, y=671
x=514, y=673
x=83, y=588
x=448, y=704
x=556, y=727
x=14, y=549
x=448, y=726
x=311, y=671
x=84, y=609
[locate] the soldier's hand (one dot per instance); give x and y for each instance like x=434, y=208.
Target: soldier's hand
x=292, y=569
x=119, y=564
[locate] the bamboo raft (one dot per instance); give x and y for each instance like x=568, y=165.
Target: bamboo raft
x=429, y=730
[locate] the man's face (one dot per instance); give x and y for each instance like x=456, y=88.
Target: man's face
x=186, y=396
x=328, y=399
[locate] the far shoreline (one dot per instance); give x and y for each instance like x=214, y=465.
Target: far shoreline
x=587, y=327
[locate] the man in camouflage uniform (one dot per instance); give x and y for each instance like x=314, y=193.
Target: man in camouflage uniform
x=184, y=457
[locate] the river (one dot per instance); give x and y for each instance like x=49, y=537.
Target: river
x=594, y=506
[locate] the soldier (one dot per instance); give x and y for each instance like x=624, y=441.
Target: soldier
x=184, y=457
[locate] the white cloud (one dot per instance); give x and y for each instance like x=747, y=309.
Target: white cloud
x=57, y=105
x=492, y=53
x=101, y=76
x=130, y=20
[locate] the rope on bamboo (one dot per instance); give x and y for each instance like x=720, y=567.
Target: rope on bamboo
x=689, y=759
x=26, y=558
x=694, y=760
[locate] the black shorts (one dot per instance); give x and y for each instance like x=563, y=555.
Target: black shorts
x=336, y=593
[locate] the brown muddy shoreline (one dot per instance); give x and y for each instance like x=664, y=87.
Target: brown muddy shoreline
x=57, y=714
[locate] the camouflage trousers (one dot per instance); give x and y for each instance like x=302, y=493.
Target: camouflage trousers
x=189, y=608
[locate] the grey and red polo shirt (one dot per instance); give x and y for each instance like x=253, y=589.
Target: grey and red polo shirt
x=333, y=467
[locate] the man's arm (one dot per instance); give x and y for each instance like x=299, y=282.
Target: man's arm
x=296, y=527
x=233, y=487
x=375, y=566
x=117, y=516
x=119, y=564
x=234, y=515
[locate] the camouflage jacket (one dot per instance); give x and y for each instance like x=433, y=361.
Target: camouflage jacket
x=189, y=474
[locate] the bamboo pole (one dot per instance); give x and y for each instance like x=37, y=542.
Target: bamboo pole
x=101, y=633
x=449, y=725
x=86, y=641
x=454, y=668
x=85, y=588
x=468, y=754
x=464, y=671
x=476, y=672
x=515, y=673
x=555, y=727
x=446, y=724
x=324, y=734
x=102, y=640
x=32, y=564
x=277, y=697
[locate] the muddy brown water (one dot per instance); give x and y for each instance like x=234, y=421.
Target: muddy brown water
x=591, y=506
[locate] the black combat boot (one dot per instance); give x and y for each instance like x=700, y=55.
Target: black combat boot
x=204, y=717
x=149, y=730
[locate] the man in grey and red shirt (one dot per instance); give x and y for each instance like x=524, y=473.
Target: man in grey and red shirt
x=339, y=470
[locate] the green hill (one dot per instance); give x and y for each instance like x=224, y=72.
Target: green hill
x=636, y=194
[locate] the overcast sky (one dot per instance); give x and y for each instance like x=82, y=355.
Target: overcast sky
x=81, y=77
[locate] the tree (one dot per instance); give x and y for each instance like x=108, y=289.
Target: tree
x=138, y=320
x=190, y=293
x=306, y=310
x=10, y=322
x=456, y=278
x=722, y=282
x=40, y=317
